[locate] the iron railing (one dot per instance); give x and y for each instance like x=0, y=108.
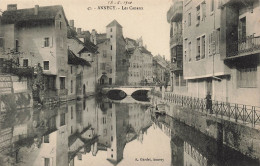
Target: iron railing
x=231, y=111
x=244, y=46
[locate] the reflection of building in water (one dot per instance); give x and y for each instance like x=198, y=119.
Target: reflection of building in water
x=193, y=156
x=114, y=126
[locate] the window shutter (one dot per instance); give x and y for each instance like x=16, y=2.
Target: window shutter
x=51, y=42
x=43, y=41
x=239, y=29
x=214, y=36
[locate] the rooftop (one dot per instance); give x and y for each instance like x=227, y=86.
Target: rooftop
x=114, y=23
x=21, y=15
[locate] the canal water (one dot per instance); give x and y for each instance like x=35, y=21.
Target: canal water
x=103, y=132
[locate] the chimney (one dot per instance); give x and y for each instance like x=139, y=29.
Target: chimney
x=78, y=30
x=71, y=23
x=11, y=7
x=36, y=10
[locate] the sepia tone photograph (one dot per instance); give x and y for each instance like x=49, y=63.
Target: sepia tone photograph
x=129, y=83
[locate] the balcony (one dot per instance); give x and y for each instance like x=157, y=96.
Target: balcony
x=174, y=14
x=176, y=39
x=243, y=47
x=176, y=67
x=238, y=3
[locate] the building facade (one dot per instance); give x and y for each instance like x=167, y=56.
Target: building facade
x=140, y=62
x=112, y=60
x=31, y=38
x=160, y=70
x=219, y=36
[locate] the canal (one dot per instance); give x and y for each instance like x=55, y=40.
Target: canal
x=102, y=132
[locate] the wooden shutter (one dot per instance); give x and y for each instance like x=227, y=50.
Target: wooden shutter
x=43, y=41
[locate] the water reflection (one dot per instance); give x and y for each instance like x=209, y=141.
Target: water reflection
x=105, y=132
x=192, y=148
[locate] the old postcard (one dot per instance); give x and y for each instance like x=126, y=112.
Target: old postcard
x=129, y=83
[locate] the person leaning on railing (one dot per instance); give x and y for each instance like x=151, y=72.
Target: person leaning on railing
x=209, y=103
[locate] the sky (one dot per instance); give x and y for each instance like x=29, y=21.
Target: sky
x=150, y=23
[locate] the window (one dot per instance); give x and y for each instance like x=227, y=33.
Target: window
x=111, y=36
x=189, y=51
x=71, y=112
x=203, y=45
x=242, y=29
x=50, y=82
x=102, y=66
x=71, y=86
x=60, y=25
x=247, y=77
x=1, y=62
x=104, y=53
x=46, y=161
x=111, y=138
x=16, y=45
x=46, y=42
x=1, y=42
x=111, y=47
x=111, y=58
x=212, y=5
x=110, y=70
x=62, y=82
x=189, y=19
x=25, y=62
x=198, y=15
x=62, y=119
x=104, y=120
x=46, y=65
x=203, y=6
x=46, y=139
x=71, y=69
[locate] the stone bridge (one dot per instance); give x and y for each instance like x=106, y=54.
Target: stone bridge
x=129, y=90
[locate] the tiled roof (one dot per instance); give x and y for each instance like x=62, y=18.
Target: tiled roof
x=88, y=46
x=132, y=41
x=102, y=40
x=21, y=15
x=114, y=23
x=74, y=60
x=144, y=50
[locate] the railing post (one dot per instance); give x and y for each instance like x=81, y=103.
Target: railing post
x=236, y=107
x=229, y=107
x=253, y=123
x=221, y=109
x=244, y=109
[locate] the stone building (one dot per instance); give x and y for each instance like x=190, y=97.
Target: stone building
x=219, y=36
x=112, y=60
x=37, y=36
x=82, y=69
x=174, y=17
x=160, y=70
x=140, y=62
